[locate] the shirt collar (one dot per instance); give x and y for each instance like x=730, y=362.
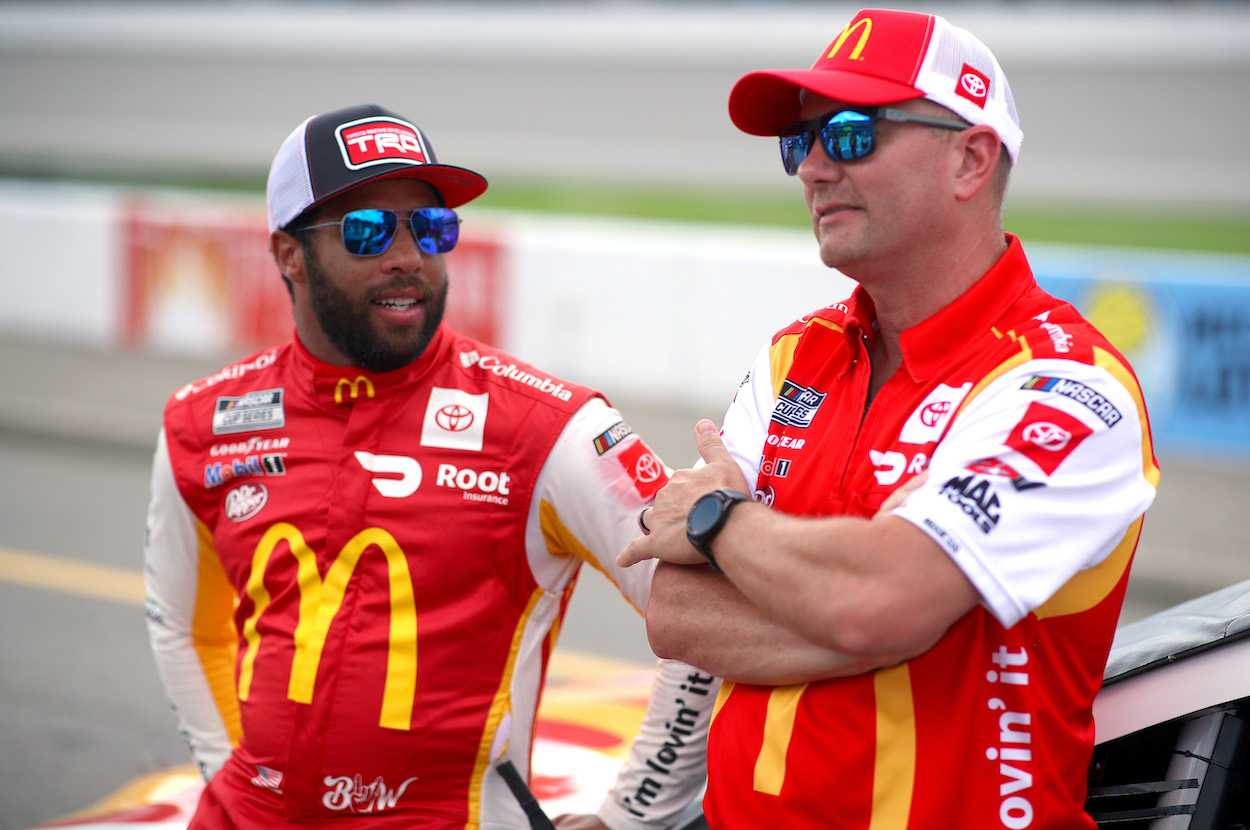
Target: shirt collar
x=345, y=385
x=927, y=345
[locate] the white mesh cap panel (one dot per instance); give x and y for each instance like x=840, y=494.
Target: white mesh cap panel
x=941, y=73
x=289, y=190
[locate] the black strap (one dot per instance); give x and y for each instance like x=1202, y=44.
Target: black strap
x=533, y=810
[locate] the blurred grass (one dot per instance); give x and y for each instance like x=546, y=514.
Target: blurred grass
x=1188, y=229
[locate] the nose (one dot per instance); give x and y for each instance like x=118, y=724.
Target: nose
x=404, y=254
x=818, y=166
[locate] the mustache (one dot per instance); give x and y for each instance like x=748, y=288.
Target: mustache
x=402, y=283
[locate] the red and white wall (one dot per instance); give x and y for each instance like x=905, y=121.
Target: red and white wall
x=658, y=312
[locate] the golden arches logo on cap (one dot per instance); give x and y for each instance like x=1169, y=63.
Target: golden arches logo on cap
x=880, y=42
x=864, y=24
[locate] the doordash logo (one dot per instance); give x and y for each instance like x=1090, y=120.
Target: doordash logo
x=408, y=470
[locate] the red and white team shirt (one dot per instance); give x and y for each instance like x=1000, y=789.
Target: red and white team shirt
x=355, y=580
x=1034, y=435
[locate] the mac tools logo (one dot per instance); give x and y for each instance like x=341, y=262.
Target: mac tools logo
x=455, y=420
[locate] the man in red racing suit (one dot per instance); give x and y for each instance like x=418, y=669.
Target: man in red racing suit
x=356, y=573
x=910, y=549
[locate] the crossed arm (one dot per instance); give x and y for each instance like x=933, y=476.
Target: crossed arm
x=801, y=598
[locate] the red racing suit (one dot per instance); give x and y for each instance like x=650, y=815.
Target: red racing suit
x=1035, y=439
x=355, y=581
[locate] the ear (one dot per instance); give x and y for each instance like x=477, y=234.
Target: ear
x=289, y=256
x=980, y=148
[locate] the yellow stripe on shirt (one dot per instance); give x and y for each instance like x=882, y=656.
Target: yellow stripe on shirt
x=894, y=774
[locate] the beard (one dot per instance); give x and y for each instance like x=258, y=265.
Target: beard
x=347, y=323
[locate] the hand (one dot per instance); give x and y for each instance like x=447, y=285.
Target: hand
x=900, y=495
x=666, y=520
x=578, y=821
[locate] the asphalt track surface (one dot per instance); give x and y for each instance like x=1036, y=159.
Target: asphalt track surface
x=81, y=711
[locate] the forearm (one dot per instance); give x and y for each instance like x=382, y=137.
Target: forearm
x=828, y=581
x=697, y=616
x=667, y=767
x=803, y=597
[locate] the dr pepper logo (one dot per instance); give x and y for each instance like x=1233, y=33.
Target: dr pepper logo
x=380, y=140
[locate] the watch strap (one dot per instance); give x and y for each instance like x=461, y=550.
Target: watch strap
x=701, y=538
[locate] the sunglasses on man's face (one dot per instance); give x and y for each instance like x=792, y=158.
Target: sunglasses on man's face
x=850, y=134
x=369, y=232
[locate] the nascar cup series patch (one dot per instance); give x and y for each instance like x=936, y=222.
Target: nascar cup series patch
x=261, y=409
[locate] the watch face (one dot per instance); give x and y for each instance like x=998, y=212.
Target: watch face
x=702, y=517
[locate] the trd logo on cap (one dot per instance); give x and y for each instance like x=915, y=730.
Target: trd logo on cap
x=973, y=85
x=380, y=140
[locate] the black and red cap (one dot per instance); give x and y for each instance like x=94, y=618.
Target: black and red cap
x=337, y=151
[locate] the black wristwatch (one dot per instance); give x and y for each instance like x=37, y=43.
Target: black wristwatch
x=708, y=516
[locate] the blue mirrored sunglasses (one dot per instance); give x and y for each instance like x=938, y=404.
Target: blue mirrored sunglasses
x=850, y=134
x=369, y=232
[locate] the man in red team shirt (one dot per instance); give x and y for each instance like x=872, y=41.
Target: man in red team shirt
x=920, y=514
x=361, y=542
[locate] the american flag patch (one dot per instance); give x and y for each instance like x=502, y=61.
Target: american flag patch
x=268, y=779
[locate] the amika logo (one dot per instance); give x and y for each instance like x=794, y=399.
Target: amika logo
x=380, y=140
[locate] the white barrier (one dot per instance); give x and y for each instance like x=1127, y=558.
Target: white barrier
x=658, y=312
x=662, y=314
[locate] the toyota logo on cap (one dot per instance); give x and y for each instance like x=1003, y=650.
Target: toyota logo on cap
x=973, y=85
